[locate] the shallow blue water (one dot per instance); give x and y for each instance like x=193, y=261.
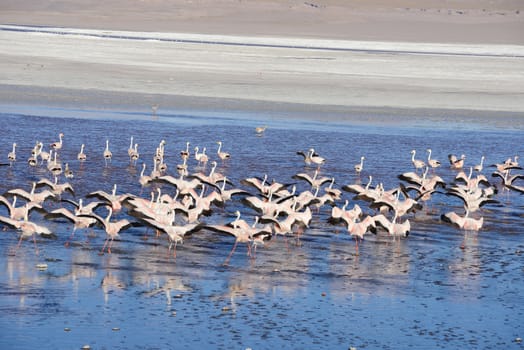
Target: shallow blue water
x=420, y=292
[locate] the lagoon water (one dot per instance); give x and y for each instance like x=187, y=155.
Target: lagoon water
x=438, y=288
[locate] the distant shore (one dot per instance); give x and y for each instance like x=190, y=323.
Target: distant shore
x=319, y=67
x=432, y=21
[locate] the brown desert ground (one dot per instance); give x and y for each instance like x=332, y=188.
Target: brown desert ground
x=440, y=57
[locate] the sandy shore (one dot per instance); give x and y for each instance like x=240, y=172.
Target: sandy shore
x=305, y=59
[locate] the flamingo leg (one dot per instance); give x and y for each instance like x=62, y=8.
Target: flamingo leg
x=104, y=247
x=226, y=262
x=34, y=240
x=19, y=242
x=169, y=249
x=171, y=245
x=248, y=248
x=287, y=244
x=110, y=245
x=70, y=237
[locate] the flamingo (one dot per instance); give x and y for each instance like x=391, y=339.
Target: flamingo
x=359, y=229
x=336, y=213
x=175, y=233
x=417, y=163
x=335, y=193
x=213, y=178
x=56, y=188
x=480, y=166
x=242, y=235
x=455, y=162
x=259, y=130
x=201, y=157
x=226, y=194
x=432, y=162
x=313, y=181
x=358, y=167
x=44, y=156
x=55, y=167
x=159, y=152
x=507, y=165
x=18, y=213
x=27, y=229
x=300, y=219
x=58, y=145
x=144, y=180
x=185, y=153
x=133, y=157
x=306, y=155
x=112, y=229
x=222, y=155
x=131, y=149
x=37, y=149
x=38, y=198
x=463, y=222
x=12, y=155
x=108, y=155
x=473, y=199
x=112, y=199
x=81, y=156
x=68, y=173
x=182, y=168
x=392, y=227
x=80, y=208
x=256, y=182
x=399, y=207
x=79, y=222
x=357, y=188
x=507, y=180
x=315, y=158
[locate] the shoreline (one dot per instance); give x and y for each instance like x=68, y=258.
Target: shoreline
x=99, y=104
x=358, y=46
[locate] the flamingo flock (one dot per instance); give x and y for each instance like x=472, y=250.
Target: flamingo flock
x=182, y=200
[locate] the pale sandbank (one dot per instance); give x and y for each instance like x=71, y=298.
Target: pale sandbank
x=321, y=59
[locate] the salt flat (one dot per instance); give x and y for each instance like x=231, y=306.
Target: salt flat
x=483, y=77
